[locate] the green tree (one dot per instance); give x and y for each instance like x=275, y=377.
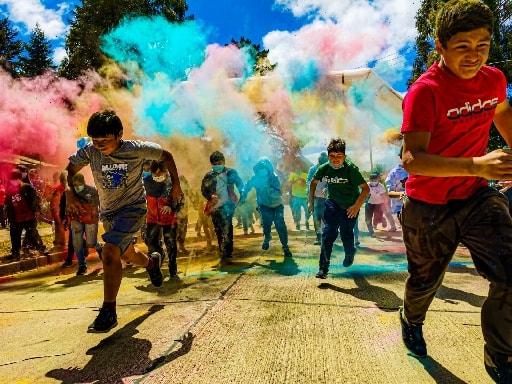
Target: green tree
x=500, y=54
x=501, y=45
x=10, y=48
x=94, y=18
x=261, y=65
x=38, y=59
x=426, y=54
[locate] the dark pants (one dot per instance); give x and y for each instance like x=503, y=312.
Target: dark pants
x=336, y=219
x=182, y=229
x=274, y=215
x=318, y=215
x=222, y=219
x=431, y=235
x=30, y=227
x=71, y=249
x=3, y=222
x=153, y=235
x=373, y=215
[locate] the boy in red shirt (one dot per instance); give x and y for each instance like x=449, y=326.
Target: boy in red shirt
x=447, y=116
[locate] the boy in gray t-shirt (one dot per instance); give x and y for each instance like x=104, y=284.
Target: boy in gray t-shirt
x=116, y=166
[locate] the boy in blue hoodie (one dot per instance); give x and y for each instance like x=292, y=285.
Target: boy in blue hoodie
x=270, y=202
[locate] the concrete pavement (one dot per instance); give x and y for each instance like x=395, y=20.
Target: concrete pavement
x=259, y=319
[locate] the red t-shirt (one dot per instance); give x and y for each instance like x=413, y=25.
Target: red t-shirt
x=458, y=114
x=2, y=195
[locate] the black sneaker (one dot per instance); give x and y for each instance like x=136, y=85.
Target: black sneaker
x=13, y=257
x=321, y=275
x=265, y=245
x=498, y=367
x=67, y=264
x=348, y=260
x=81, y=270
x=104, y=322
x=287, y=252
x=412, y=336
x=155, y=274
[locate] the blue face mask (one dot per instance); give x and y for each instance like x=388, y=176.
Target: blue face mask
x=217, y=168
x=333, y=167
x=80, y=188
x=146, y=173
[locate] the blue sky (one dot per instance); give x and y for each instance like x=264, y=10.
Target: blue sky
x=375, y=33
x=235, y=18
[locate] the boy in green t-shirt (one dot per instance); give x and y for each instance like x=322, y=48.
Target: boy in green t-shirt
x=346, y=192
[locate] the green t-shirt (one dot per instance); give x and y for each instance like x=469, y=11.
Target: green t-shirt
x=342, y=183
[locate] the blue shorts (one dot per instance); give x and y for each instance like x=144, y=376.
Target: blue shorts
x=121, y=226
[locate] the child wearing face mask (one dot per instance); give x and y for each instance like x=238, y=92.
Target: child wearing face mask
x=346, y=193
x=161, y=219
x=84, y=226
x=217, y=187
x=22, y=206
x=374, y=208
x=270, y=202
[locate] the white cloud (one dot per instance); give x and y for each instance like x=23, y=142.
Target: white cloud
x=27, y=13
x=361, y=32
x=58, y=55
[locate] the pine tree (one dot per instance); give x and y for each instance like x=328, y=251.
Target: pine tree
x=38, y=59
x=10, y=48
x=94, y=18
x=261, y=65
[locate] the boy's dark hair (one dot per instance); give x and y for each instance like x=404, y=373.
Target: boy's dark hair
x=16, y=174
x=157, y=165
x=216, y=156
x=462, y=16
x=104, y=123
x=79, y=177
x=337, y=145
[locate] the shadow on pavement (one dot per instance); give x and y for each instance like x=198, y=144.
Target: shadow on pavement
x=119, y=356
x=287, y=267
x=385, y=299
x=439, y=373
x=169, y=287
x=450, y=294
x=463, y=267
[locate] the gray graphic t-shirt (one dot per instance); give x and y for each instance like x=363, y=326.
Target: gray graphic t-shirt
x=118, y=176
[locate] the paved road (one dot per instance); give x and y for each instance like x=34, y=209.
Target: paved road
x=260, y=319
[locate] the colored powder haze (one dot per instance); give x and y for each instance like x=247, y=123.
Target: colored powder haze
x=194, y=98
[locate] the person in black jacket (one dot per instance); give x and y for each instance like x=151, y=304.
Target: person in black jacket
x=218, y=188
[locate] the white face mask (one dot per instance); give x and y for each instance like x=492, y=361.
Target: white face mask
x=374, y=183
x=159, y=179
x=79, y=188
